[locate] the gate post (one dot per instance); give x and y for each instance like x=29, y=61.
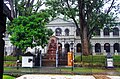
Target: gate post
x=57, y=58
x=40, y=59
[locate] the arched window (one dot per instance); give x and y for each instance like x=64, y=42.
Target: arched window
x=58, y=32
x=97, y=32
x=77, y=32
x=79, y=48
x=97, y=48
x=116, y=47
x=115, y=31
x=67, y=48
x=107, y=47
x=66, y=32
x=106, y=32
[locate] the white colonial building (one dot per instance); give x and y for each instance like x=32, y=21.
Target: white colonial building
x=104, y=41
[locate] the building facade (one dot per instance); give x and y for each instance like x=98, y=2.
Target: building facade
x=105, y=40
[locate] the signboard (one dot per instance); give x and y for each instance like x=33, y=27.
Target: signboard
x=27, y=61
x=110, y=62
x=70, y=58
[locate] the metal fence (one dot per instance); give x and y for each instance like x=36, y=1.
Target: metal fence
x=83, y=65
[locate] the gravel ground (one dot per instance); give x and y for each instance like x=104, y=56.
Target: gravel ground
x=56, y=77
x=39, y=76
x=101, y=77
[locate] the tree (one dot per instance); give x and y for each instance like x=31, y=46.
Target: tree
x=10, y=13
x=30, y=31
x=88, y=15
x=25, y=7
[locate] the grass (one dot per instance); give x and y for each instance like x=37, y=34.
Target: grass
x=8, y=77
x=83, y=70
x=11, y=58
x=62, y=69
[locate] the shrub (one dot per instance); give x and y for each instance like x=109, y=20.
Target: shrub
x=96, y=61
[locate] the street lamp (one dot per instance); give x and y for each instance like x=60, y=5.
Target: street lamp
x=71, y=45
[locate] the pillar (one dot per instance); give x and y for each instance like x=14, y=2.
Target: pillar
x=111, y=34
x=102, y=48
x=111, y=49
x=2, y=43
x=63, y=48
x=101, y=33
x=93, y=50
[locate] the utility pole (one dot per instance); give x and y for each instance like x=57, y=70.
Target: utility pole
x=2, y=43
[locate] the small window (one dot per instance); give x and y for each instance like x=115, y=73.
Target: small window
x=58, y=32
x=106, y=32
x=115, y=31
x=97, y=32
x=66, y=32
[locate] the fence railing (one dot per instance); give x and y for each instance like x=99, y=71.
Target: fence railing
x=88, y=65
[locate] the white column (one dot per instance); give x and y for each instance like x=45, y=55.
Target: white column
x=119, y=32
x=93, y=50
x=102, y=48
x=111, y=34
x=63, y=32
x=101, y=33
x=111, y=49
x=63, y=48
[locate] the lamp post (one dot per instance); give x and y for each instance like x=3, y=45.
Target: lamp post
x=71, y=45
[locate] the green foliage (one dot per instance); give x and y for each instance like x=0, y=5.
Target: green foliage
x=97, y=60
x=90, y=12
x=26, y=7
x=29, y=31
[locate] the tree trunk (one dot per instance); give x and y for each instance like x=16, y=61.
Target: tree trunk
x=83, y=28
x=85, y=42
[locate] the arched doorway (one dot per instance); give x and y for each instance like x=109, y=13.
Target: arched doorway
x=116, y=47
x=79, y=48
x=59, y=47
x=67, y=48
x=107, y=47
x=97, y=47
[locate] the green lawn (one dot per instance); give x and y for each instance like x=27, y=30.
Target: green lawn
x=8, y=77
x=83, y=70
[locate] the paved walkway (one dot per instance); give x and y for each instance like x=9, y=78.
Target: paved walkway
x=42, y=76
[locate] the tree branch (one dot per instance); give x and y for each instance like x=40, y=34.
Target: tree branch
x=7, y=12
x=110, y=6
x=72, y=15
